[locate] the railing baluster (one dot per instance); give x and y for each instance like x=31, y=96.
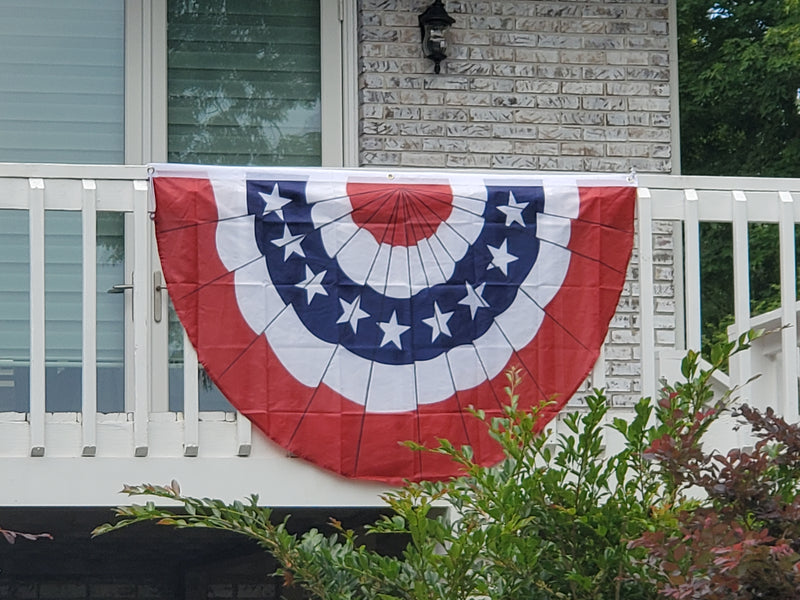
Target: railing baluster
x=141, y=316
x=790, y=409
x=89, y=324
x=191, y=414
x=741, y=364
x=37, y=316
x=694, y=323
x=646, y=309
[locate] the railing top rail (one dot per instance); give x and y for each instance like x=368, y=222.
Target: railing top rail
x=67, y=171
x=702, y=182
x=676, y=182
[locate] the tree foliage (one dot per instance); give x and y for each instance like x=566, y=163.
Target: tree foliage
x=739, y=80
x=739, y=65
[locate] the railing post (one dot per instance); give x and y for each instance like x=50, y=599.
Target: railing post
x=694, y=322
x=788, y=309
x=741, y=364
x=89, y=320
x=36, y=408
x=141, y=317
x=646, y=319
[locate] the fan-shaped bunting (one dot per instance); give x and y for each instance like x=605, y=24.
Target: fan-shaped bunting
x=344, y=312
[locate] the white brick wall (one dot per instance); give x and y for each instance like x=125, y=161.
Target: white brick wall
x=570, y=85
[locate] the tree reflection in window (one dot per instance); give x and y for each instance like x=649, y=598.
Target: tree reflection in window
x=244, y=82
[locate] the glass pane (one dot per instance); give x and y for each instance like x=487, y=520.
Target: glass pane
x=61, y=81
x=110, y=313
x=14, y=311
x=175, y=351
x=244, y=82
x=765, y=263
x=716, y=278
x=63, y=310
x=210, y=398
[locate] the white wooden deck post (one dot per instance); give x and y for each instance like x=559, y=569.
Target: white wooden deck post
x=36, y=409
x=141, y=318
x=89, y=319
x=244, y=435
x=191, y=439
x=646, y=322
x=789, y=409
x=694, y=322
x=741, y=289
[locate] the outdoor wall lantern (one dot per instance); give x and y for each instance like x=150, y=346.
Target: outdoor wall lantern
x=434, y=23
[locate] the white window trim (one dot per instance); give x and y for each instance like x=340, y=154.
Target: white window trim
x=347, y=71
x=146, y=82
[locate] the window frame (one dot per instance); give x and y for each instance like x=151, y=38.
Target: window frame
x=146, y=82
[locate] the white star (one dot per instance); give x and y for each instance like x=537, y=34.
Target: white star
x=501, y=257
x=438, y=322
x=392, y=331
x=274, y=202
x=474, y=298
x=312, y=284
x=513, y=210
x=352, y=313
x=290, y=243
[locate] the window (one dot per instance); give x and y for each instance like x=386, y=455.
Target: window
x=61, y=81
x=14, y=300
x=262, y=82
x=243, y=82
x=63, y=290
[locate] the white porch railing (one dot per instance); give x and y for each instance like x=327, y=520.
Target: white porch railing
x=145, y=428
x=89, y=190
x=739, y=201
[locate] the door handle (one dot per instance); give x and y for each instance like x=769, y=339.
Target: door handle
x=158, y=287
x=119, y=288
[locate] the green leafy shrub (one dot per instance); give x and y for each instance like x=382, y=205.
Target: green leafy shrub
x=559, y=518
x=742, y=541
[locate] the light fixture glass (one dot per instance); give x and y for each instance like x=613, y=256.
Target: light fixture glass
x=434, y=24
